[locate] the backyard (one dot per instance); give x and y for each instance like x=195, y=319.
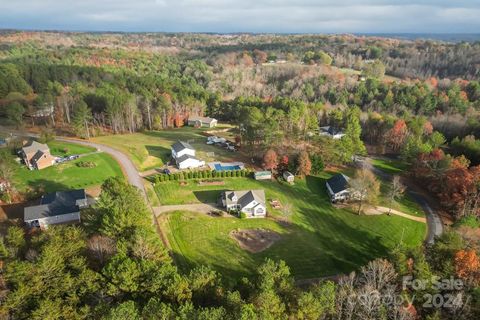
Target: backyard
x=319, y=239
x=151, y=149
x=68, y=175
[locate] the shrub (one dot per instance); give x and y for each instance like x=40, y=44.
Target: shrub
x=468, y=221
x=86, y=164
x=242, y=215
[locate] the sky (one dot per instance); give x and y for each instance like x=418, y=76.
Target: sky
x=226, y=16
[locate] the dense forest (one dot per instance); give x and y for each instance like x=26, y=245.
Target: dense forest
x=418, y=101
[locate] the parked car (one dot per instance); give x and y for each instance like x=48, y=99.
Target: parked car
x=166, y=171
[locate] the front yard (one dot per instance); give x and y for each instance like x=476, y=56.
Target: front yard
x=67, y=175
x=319, y=240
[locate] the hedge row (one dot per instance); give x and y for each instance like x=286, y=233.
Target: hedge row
x=188, y=175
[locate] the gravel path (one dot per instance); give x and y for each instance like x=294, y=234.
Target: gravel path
x=384, y=210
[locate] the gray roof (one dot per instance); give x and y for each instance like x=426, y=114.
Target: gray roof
x=180, y=145
x=185, y=157
x=245, y=197
x=57, y=203
x=338, y=183
x=202, y=119
x=37, y=156
x=33, y=146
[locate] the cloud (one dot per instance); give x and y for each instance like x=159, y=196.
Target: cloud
x=244, y=16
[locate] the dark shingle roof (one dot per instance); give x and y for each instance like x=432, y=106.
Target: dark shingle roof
x=64, y=197
x=37, y=156
x=57, y=203
x=185, y=157
x=338, y=183
x=180, y=145
x=246, y=197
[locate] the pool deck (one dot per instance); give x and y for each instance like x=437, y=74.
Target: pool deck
x=226, y=164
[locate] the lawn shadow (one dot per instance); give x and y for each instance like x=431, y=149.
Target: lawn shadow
x=208, y=196
x=159, y=152
x=42, y=186
x=346, y=247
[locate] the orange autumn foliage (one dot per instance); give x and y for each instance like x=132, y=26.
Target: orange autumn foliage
x=467, y=264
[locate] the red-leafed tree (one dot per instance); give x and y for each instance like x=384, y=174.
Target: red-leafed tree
x=283, y=164
x=270, y=160
x=304, y=164
x=467, y=265
x=396, y=136
x=427, y=128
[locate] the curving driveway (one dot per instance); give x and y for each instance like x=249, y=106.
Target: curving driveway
x=127, y=165
x=434, y=223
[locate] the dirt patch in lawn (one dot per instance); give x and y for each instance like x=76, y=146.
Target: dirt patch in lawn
x=255, y=240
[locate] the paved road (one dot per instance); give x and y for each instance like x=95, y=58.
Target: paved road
x=434, y=223
x=127, y=165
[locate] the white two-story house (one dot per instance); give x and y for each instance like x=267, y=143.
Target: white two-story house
x=184, y=155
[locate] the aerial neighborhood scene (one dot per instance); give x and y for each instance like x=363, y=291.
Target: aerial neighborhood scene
x=240, y=160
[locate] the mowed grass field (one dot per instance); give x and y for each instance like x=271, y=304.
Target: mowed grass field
x=320, y=240
x=67, y=175
x=151, y=149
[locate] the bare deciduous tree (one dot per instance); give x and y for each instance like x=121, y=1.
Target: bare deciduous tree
x=365, y=187
x=397, y=188
x=101, y=247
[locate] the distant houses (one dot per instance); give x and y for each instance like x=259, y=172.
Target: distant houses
x=36, y=155
x=331, y=132
x=56, y=208
x=338, y=188
x=249, y=202
x=202, y=122
x=184, y=155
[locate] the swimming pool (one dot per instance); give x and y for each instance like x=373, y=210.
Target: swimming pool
x=219, y=167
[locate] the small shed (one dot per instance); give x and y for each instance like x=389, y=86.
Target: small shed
x=263, y=175
x=288, y=176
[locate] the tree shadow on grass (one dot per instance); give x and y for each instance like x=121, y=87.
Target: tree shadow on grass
x=160, y=152
x=39, y=187
x=208, y=196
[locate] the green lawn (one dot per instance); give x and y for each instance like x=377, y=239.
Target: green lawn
x=151, y=149
x=390, y=166
x=321, y=239
x=62, y=149
x=67, y=175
